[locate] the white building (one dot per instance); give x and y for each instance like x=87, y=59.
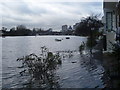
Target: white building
x=70, y=28
x=75, y=26
x=111, y=21
x=64, y=28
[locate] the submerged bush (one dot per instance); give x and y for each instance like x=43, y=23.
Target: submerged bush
x=116, y=61
x=116, y=51
x=81, y=47
x=91, y=42
x=41, y=68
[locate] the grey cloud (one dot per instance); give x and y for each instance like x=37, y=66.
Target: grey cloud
x=47, y=15
x=20, y=8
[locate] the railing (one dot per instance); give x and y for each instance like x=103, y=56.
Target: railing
x=118, y=35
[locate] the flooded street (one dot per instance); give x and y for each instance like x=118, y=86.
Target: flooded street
x=76, y=71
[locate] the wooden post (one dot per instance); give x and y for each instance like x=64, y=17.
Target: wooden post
x=104, y=43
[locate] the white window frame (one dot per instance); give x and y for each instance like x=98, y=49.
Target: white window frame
x=109, y=21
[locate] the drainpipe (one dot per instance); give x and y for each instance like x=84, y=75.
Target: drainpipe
x=118, y=22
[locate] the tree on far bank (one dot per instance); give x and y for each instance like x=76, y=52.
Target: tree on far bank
x=12, y=29
x=21, y=27
x=21, y=30
x=4, y=29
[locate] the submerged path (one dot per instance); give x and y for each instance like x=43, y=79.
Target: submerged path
x=76, y=71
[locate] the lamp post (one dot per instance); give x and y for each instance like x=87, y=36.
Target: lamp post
x=91, y=36
x=91, y=29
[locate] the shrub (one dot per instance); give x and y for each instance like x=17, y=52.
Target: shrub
x=91, y=42
x=41, y=68
x=81, y=47
x=116, y=51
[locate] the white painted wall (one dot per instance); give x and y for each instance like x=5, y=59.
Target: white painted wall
x=110, y=38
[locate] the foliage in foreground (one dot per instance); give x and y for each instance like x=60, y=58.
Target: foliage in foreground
x=82, y=47
x=116, y=51
x=115, y=69
x=91, y=42
x=41, y=68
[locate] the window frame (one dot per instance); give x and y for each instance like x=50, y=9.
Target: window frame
x=109, y=20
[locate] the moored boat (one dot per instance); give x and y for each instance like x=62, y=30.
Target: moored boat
x=67, y=37
x=58, y=39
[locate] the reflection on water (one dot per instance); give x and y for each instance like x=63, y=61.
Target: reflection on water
x=74, y=72
x=81, y=72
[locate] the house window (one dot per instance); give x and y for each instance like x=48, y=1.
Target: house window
x=109, y=21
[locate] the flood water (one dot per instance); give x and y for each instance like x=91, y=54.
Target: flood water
x=75, y=71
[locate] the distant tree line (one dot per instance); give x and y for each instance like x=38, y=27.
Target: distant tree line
x=83, y=29
x=21, y=30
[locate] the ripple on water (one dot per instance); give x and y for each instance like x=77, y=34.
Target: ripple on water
x=75, y=72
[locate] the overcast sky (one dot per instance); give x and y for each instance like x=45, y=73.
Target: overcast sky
x=47, y=14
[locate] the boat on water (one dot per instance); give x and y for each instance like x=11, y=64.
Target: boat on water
x=67, y=37
x=58, y=39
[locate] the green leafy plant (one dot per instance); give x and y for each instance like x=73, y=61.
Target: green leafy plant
x=91, y=42
x=41, y=68
x=81, y=47
x=116, y=51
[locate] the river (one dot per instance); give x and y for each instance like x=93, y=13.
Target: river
x=75, y=72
